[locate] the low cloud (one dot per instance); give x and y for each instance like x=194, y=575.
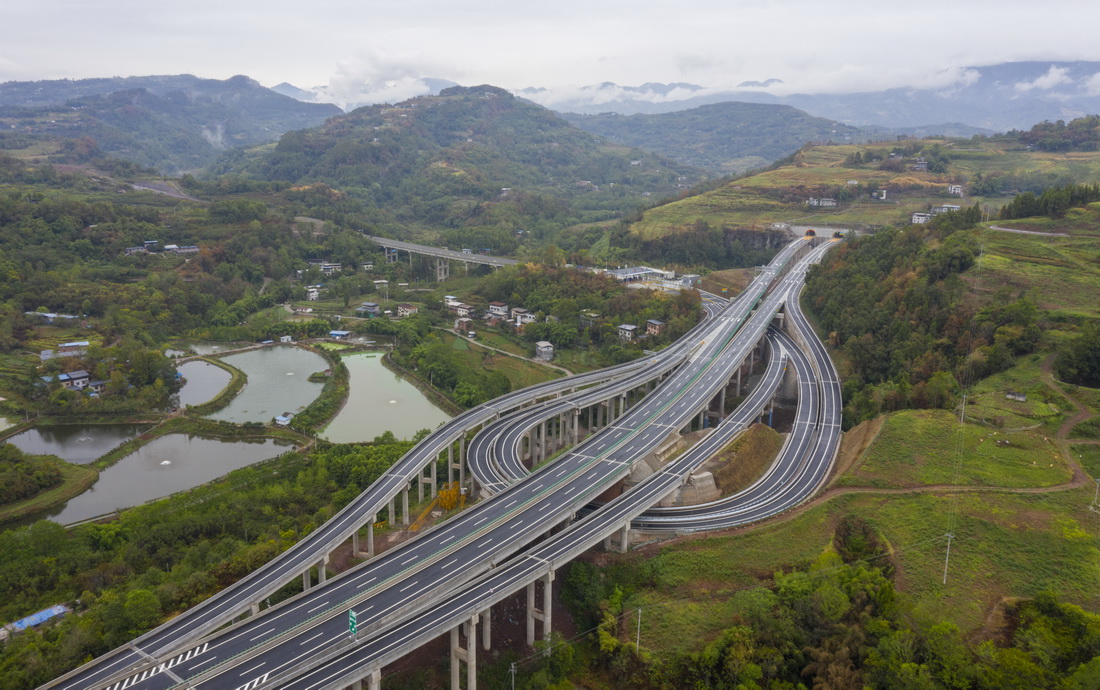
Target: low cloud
x=1092, y=85
x=1055, y=76
x=372, y=77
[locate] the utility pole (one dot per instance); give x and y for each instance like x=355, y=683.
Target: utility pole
x=950, y=536
x=512, y=670
x=638, y=639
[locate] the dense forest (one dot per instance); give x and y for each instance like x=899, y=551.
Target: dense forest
x=1080, y=134
x=894, y=302
x=470, y=157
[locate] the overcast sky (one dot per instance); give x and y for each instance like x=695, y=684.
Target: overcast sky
x=813, y=45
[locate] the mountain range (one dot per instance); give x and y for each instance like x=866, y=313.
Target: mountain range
x=1013, y=95
x=173, y=123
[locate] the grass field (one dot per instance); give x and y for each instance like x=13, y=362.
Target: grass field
x=1062, y=274
x=1044, y=408
x=918, y=448
x=1089, y=457
x=520, y=373
x=1005, y=545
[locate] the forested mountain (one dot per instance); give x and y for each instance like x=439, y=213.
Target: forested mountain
x=174, y=124
x=469, y=157
x=724, y=137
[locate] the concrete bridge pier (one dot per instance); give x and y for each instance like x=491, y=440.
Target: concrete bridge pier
x=374, y=681
x=544, y=614
x=405, y=505
x=468, y=654
x=486, y=628
x=442, y=269
x=307, y=574
x=370, y=543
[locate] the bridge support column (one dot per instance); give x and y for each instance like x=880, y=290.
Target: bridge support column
x=576, y=427
x=306, y=579
x=534, y=613
x=462, y=461
x=321, y=574
x=722, y=404
x=543, y=441
x=393, y=511
x=450, y=464
x=255, y=608
x=442, y=269
x=486, y=630
x=370, y=543
x=405, y=505
x=467, y=654
x=738, y=392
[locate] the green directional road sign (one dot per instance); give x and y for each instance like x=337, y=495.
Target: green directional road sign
x=351, y=622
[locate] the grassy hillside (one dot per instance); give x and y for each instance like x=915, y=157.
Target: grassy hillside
x=991, y=170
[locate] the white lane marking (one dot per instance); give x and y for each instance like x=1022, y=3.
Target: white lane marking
x=202, y=663
x=512, y=503
x=253, y=668
x=449, y=563
x=323, y=603
x=447, y=539
x=409, y=560
x=485, y=543
x=366, y=583
x=261, y=635
x=481, y=521
x=407, y=586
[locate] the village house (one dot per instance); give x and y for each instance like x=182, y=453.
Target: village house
x=498, y=309
x=589, y=318
x=463, y=325
x=627, y=331
x=522, y=316
x=326, y=267
x=404, y=310
x=824, y=202
x=544, y=351
x=654, y=327
x=920, y=218
x=945, y=208
x=955, y=189
x=313, y=293
x=919, y=165
x=339, y=335
x=368, y=309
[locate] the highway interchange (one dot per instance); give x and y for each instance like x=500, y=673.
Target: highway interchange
x=439, y=569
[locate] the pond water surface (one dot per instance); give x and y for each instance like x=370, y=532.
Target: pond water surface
x=278, y=382
x=380, y=401
x=168, y=464
x=78, y=443
x=203, y=382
